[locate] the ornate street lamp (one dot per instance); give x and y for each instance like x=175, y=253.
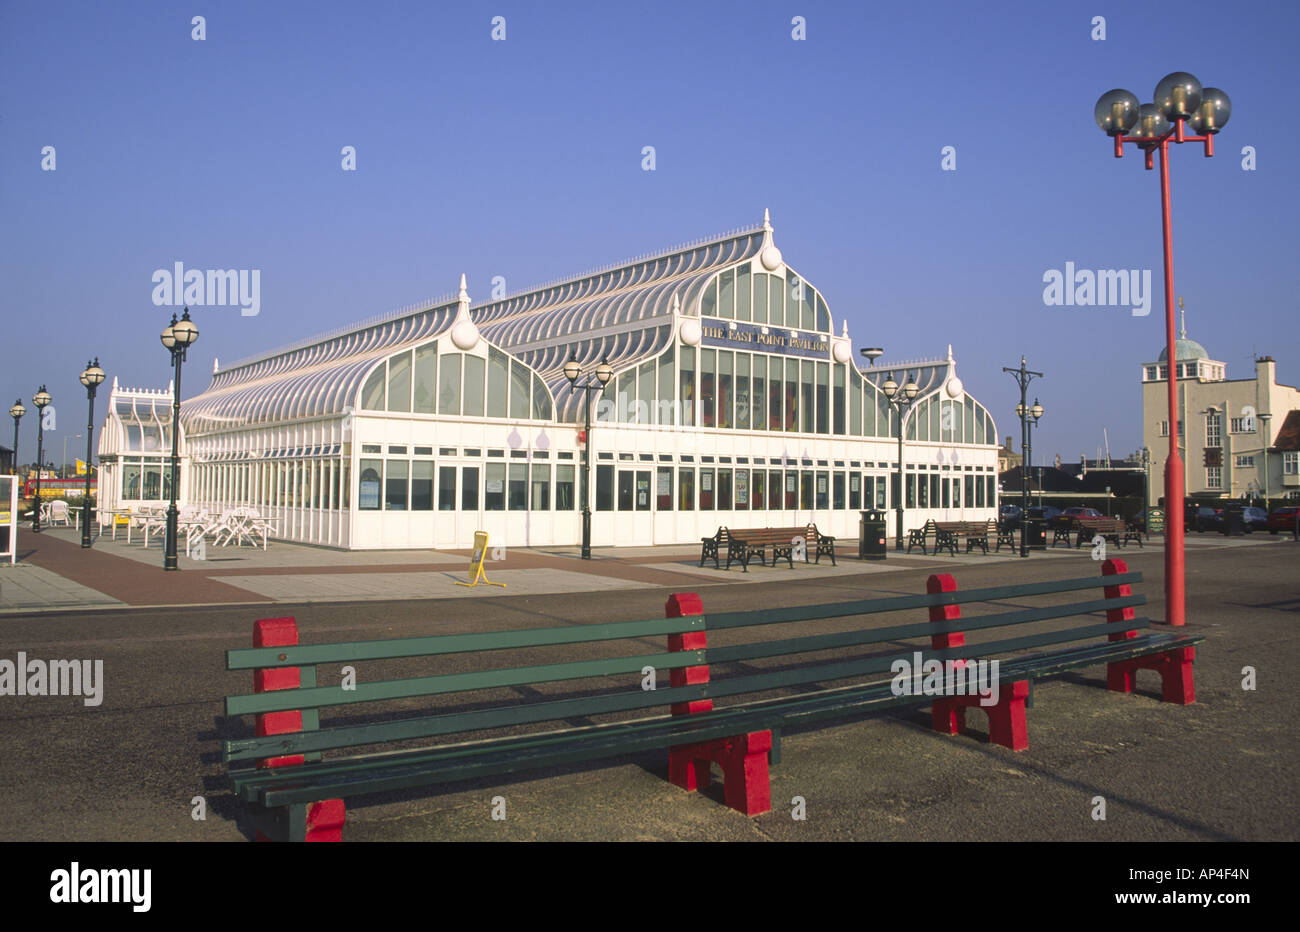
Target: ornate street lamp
x=899, y=399
x=92, y=378
x=1035, y=412
x=573, y=372
x=1263, y=419
x=41, y=401
x=16, y=412
x=1023, y=377
x=1179, y=99
x=177, y=337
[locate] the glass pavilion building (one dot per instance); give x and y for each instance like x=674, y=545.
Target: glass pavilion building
x=733, y=402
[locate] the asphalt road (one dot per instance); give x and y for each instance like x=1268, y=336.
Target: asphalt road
x=1222, y=769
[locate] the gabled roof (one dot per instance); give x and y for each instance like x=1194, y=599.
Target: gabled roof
x=1288, y=435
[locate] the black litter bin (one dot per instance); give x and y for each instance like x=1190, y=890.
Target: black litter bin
x=1233, y=525
x=871, y=535
x=1037, y=533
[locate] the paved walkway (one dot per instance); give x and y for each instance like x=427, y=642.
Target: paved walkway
x=55, y=574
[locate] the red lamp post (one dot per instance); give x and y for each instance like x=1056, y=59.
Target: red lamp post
x=1179, y=99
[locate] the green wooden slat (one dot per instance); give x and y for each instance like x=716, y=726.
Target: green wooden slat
x=718, y=620
x=758, y=682
x=454, y=682
x=919, y=629
x=452, y=723
x=248, y=658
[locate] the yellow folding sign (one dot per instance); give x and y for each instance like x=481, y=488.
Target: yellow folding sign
x=476, y=562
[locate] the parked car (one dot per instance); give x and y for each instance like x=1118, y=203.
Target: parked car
x=1078, y=511
x=1283, y=519
x=1201, y=518
x=1254, y=519
x=1045, y=512
x=1009, y=513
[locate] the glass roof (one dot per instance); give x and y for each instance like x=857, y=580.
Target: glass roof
x=621, y=312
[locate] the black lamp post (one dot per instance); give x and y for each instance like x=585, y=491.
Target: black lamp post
x=92, y=377
x=1146, y=492
x=17, y=412
x=1262, y=418
x=899, y=399
x=573, y=372
x=1023, y=377
x=177, y=337
x=41, y=400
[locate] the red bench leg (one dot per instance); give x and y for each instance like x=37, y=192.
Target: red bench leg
x=744, y=762
x=1008, y=725
x=325, y=818
x=1174, y=667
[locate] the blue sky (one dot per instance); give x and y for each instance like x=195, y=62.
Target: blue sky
x=522, y=158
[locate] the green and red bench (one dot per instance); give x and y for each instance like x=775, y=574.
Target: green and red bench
x=736, y=680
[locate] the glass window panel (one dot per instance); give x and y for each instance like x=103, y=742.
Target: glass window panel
x=626, y=479
x=541, y=486
x=626, y=394
x=399, y=382
x=686, y=395
x=837, y=400
x=664, y=488
x=727, y=294
x=473, y=394
x=758, y=394
x=664, y=397
x=855, y=491
x=806, y=489
x=742, y=391
x=725, y=397
x=604, y=488
x=855, y=404
x=564, y=497
x=449, y=384
x=823, y=398
x=774, y=394
x=709, y=300
x=645, y=393
x=934, y=490
x=131, y=482
x=795, y=294
x=372, y=394
x=760, y=298
x=494, y=487
x=371, y=472
x=743, y=293
x=152, y=482
x=422, y=485
x=740, y=489
x=446, y=486
x=806, y=316
x=934, y=420
x=806, y=396
x=837, y=497
x=498, y=385
x=643, y=490
x=541, y=400
x=968, y=434
x=708, y=359
x=706, y=490
x=517, y=489
x=791, y=490
x=395, y=486
x=791, y=394
x=469, y=488
x=758, y=494
x=723, y=499
x=685, y=488
x=519, y=387
x=823, y=315
x=776, y=299
x=134, y=438
x=425, y=378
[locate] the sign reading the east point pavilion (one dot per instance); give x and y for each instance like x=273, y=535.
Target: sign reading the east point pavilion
x=776, y=340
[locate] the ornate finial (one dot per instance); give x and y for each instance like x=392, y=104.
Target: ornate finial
x=216, y=365
x=767, y=220
x=677, y=303
x=1183, y=312
x=950, y=352
x=463, y=295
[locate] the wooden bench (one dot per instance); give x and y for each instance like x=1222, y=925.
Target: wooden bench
x=297, y=795
x=1006, y=534
x=948, y=534
x=745, y=543
x=917, y=537
x=1113, y=529
x=712, y=545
